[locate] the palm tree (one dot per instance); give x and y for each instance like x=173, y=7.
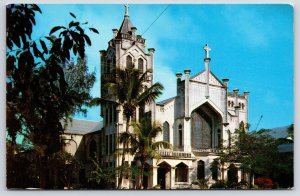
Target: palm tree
x=130, y=93
x=143, y=143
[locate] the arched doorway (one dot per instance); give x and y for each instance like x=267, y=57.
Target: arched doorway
x=164, y=175
x=206, y=125
x=146, y=176
x=232, y=175
x=201, y=170
x=181, y=173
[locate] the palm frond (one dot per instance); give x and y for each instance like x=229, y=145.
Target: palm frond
x=150, y=94
x=161, y=144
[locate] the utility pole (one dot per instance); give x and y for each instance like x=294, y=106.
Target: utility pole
x=261, y=116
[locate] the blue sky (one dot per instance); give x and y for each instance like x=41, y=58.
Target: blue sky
x=252, y=45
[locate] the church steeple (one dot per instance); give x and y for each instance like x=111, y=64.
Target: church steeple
x=207, y=60
x=126, y=24
x=126, y=10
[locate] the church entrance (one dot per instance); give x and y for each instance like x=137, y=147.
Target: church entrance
x=232, y=175
x=146, y=176
x=206, y=127
x=164, y=175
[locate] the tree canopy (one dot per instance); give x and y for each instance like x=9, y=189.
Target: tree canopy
x=41, y=84
x=257, y=153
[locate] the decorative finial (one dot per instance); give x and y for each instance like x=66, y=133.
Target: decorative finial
x=207, y=49
x=126, y=9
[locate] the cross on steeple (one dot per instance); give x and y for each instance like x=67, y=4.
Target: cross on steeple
x=126, y=9
x=207, y=49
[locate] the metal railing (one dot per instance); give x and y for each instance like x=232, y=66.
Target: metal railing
x=180, y=154
x=208, y=150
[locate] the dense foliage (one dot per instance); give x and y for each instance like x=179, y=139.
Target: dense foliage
x=257, y=153
x=38, y=93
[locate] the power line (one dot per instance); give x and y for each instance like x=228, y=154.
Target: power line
x=155, y=19
x=146, y=29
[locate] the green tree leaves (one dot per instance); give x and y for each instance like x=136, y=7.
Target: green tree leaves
x=41, y=91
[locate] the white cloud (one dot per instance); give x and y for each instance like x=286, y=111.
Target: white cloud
x=248, y=26
x=164, y=75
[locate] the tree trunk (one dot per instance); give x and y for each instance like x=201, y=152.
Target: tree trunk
x=123, y=155
x=142, y=175
x=121, y=170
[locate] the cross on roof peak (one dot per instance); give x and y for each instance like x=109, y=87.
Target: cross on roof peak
x=207, y=49
x=126, y=9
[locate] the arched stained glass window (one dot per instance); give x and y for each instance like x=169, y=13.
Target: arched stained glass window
x=129, y=63
x=141, y=65
x=180, y=136
x=166, y=132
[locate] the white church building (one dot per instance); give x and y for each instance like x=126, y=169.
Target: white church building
x=197, y=121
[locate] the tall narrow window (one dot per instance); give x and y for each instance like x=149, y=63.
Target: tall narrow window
x=106, y=144
x=93, y=149
x=111, y=143
x=111, y=115
x=243, y=105
x=229, y=138
x=166, y=132
x=180, y=135
x=106, y=116
x=129, y=63
x=219, y=138
x=114, y=142
x=141, y=65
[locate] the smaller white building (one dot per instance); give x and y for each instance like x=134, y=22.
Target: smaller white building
x=82, y=139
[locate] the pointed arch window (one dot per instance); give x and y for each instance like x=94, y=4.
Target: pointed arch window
x=92, y=149
x=129, y=63
x=166, y=132
x=180, y=136
x=141, y=65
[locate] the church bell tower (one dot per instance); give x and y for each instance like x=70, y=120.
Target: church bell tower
x=126, y=49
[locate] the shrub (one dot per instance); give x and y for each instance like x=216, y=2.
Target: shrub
x=264, y=182
x=219, y=184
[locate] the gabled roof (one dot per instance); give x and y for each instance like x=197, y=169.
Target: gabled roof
x=200, y=77
x=82, y=127
x=279, y=132
x=126, y=25
x=164, y=102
